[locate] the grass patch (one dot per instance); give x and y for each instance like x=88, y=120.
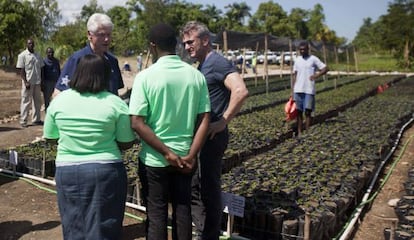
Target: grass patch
x=368, y=63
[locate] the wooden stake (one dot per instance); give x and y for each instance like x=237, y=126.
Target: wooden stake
x=306, y=235
x=230, y=221
x=138, y=192
x=44, y=163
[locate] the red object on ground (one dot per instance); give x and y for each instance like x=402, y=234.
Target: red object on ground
x=290, y=110
x=380, y=89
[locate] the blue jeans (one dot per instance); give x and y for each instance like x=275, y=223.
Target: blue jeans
x=206, y=206
x=91, y=200
x=159, y=184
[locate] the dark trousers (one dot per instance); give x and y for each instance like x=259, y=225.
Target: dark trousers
x=91, y=200
x=206, y=206
x=48, y=88
x=158, y=186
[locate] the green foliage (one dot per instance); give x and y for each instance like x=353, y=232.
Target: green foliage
x=298, y=18
x=88, y=10
x=48, y=16
x=71, y=36
x=214, y=18
x=268, y=18
x=18, y=22
x=21, y=20
x=236, y=15
x=181, y=12
x=393, y=31
x=316, y=23
x=120, y=17
x=382, y=63
x=365, y=39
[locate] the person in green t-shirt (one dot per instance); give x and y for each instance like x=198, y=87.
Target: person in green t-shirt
x=91, y=126
x=169, y=108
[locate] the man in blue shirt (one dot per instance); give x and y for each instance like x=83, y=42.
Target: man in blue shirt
x=227, y=92
x=51, y=74
x=99, y=35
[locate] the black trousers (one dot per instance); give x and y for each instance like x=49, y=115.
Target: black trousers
x=206, y=204
x=159, y=185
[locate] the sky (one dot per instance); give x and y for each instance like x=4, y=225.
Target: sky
x=343, y=17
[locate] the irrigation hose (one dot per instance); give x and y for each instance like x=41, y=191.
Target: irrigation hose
x=389, y=172
x=355, y=214
x=31, y=182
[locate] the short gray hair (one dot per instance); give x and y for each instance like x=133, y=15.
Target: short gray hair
x=200, y=28
x=98, y=20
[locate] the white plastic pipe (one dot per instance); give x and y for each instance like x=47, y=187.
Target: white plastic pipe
x=136, y=206
x=350, y=227
x=39, y=179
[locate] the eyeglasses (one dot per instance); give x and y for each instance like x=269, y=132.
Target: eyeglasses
x=101, y=34
x=188, y=42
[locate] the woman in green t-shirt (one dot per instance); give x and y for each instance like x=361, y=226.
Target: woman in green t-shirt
x=91, y=126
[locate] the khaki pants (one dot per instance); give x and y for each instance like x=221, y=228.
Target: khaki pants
x=31, y=96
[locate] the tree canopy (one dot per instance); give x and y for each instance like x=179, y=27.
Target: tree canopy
x=41, y=19
x=391, y=32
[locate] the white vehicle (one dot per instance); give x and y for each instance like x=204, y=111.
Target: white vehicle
x=288, y=57
x=248, y=56
x=271, y=58
x=232, y=55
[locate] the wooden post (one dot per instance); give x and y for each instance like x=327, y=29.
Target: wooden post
x=230, y=221
x=337, y=65
x=13, y=160
x=147, y=58
x=138, y=189
x=306, y=235
x=324, y=57
x=225, y=46
x=255, y=67
x=44, y=163
x=243, y=68
x=291, y=58
x=347, y=61
x=266, y=66
x=356, y=59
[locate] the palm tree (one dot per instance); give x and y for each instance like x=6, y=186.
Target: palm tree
x=237, y=14
x=214, y=16
x=213, y=12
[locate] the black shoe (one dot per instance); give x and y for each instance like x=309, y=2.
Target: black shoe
x=38, y=123
x=23, y=125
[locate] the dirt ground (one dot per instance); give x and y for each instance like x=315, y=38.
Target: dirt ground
x=28, y=212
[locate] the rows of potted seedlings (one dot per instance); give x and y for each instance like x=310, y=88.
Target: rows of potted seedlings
x=33, y=157
x=279, y=96
x=260, y=130
x=405, y=211
x=323, y=173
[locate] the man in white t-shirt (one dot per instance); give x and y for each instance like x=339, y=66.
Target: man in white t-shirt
x=30, y=65
x=306, y=70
